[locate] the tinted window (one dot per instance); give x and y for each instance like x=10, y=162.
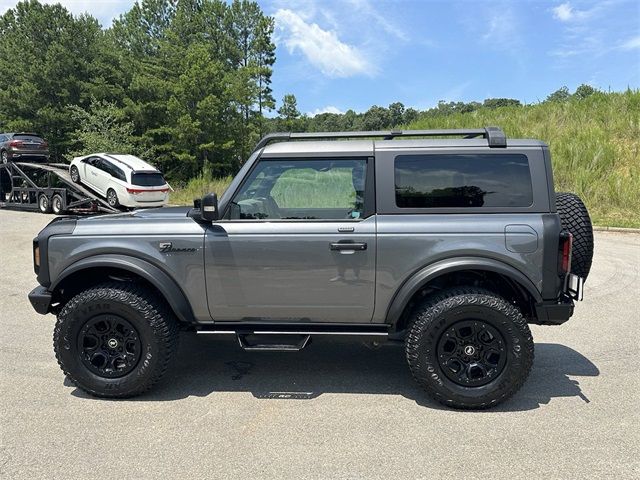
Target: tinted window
x=147, y=179
x=102, y=165
x=113, y=170
x=454, y=181
x=302, y=189
x=31, y=138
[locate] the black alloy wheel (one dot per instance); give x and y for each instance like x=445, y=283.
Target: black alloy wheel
x=471, y=353
x=109, y=346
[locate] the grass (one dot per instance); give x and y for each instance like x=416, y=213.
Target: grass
x=197, y=187
x=594, y=142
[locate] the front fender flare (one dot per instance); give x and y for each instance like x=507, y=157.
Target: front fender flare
x=167, y=287
x=430, y=272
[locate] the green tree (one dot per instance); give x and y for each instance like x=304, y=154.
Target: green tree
x=560, y=95
x=51, y=59
x=101, y=127
x=584, y=91
x=501, y=102
x=396, y=114
x=376, y=118
x=290, y=119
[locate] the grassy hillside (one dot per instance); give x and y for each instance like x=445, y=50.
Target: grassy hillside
x=595, y=147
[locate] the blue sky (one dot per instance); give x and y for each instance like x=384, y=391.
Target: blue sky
x=340, y=54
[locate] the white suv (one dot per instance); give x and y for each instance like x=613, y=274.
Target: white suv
x=122, y=179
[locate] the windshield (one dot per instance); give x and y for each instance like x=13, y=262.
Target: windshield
x=147, y=179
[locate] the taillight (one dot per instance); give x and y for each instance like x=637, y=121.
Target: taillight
x=15, y=143
x=564, y=260
x=136, y=191
x=36, y=256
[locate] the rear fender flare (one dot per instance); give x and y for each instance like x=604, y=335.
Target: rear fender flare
x=419, y=279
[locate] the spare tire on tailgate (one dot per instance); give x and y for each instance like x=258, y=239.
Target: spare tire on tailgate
x=575, y=219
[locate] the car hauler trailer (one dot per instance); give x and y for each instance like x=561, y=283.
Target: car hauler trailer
x=46, y=187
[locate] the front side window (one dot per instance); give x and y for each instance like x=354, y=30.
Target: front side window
x=302, y=189
x=458, y=181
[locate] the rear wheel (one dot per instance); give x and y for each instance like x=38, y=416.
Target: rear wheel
x=57, y=204
x=75, y=174
x=575, y=218
x=112, y=198
x=5, y=157
x=115, y=340
x=469, y=348
x=44, y=204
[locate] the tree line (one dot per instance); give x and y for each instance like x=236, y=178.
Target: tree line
x=185, y=84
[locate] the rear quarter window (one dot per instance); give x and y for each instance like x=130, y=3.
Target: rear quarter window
x=458, y=181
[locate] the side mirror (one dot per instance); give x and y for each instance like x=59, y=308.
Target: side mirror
x=209, y=207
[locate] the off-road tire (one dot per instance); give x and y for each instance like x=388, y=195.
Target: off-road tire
x=575, y=218
x=144, y=310
x=44, y=204
x=443, y=310
x=56, y=204
x=74, y=173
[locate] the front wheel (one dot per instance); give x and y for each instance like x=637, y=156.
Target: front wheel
x=5, y=157
x=469, y=348
x=75, y=174
x=115, y=340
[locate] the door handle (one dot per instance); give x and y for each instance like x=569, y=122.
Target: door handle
x=339, y=246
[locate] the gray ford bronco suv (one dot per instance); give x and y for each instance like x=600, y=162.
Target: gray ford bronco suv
x=451, y=241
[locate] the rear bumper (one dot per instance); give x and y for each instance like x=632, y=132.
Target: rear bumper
x=154, y=204
x=555, y=312
x=15, y=155
x=40, y=299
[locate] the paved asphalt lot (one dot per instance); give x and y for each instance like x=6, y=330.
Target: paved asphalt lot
x=335, y=410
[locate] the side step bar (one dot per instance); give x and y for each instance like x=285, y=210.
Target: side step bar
x=262, y=342
x=289, y=337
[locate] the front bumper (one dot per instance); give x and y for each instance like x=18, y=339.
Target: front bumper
x=40, y=299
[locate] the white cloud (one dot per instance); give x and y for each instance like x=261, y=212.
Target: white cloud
x=322, y=48
x=563, y=12
x=631, y=44
x=327, y=109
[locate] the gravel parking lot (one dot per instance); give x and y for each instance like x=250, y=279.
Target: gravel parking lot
x=334, y=410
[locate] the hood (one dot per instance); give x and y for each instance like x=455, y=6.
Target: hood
x=156, y=221
x=151, y=213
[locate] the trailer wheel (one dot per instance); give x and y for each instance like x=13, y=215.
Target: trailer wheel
x=44, y=204
x=57, y=204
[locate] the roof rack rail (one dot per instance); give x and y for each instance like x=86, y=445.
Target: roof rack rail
x=494, y=135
